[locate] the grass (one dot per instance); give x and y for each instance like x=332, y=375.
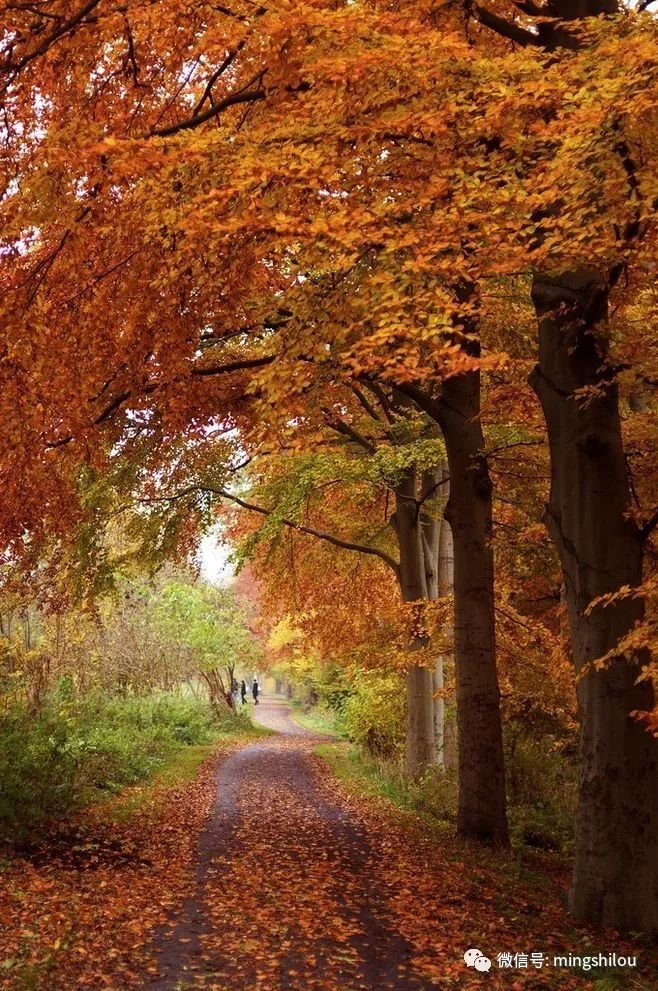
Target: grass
x=317, y=719
x=180, y=766
x=431, y=801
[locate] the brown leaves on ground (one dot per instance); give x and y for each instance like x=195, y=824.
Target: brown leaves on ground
x=76, y=909
x=293, y=885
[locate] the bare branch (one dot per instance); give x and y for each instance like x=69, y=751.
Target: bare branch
x=506, y=29
x=234, y=366
x=508, y=447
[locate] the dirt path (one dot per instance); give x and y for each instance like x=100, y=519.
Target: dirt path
x=298, y=883
x=286, y=898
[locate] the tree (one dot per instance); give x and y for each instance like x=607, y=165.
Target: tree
x=455, y=360
x=211, y=624
x=320, y=212
x=599, y=538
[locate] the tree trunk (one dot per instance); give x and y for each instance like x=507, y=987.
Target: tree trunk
x=419, y=749
x=615, y=880
x=446, y=578
x=482, y=805
x=407, y=523
x=432, y=529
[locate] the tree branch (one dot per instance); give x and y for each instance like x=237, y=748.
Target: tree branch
x=59, y=32
x=422, y=400
x=234, y=366
x=349, y=545
x=229, y=101
x=368, y=407
x=340, y=427
x=123, y=397
x=506, y=29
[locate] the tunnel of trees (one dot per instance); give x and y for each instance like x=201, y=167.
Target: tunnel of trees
x=372, y=287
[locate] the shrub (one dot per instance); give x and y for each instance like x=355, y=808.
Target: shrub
x=374, y=715
x=51, y=764
x=543, y=785
x=234, y=722
x=37, y=769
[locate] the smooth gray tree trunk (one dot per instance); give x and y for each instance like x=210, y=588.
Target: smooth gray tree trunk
x=412, y=545
x=444, y=733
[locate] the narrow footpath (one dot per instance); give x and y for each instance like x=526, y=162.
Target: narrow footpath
x=302, y=886
x=286, y=894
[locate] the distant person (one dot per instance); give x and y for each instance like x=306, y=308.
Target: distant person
x=255, y=690
x=234, y=692
x=243, y=691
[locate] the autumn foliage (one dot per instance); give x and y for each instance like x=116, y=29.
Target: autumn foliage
x=370, y=287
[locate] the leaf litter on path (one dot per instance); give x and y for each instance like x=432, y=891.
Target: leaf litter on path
x=264, y=874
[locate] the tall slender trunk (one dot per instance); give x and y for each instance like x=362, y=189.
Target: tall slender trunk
x=615, y=879
x=412, y=544
x=432, y=528
x=482, y=803
x=482, y=809
x=440, y=576
x=444, y=733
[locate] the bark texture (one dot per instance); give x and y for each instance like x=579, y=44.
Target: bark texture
x=482, y=803
x=482, y=806
x=615, y=880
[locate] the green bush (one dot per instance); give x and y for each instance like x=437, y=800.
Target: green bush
x=37, y=769
x=235, y=722
x=541, y=770
x=543, y=790
x=53, y=763
x=374, y=715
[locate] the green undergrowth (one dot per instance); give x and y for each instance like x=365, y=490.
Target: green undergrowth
x=179, y=767
x=75, y=752
x=318, y=719
x=432, y=799
x=541, y=778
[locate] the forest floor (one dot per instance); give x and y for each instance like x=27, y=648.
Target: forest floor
x=265, y=873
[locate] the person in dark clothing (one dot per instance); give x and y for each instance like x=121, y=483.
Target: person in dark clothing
x=254, y=691
x=243, y=692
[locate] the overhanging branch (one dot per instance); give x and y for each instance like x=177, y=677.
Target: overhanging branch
x=235, y=366
x=232, y=100
x=330, y=538
x=503, y=27
x=122, y=398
